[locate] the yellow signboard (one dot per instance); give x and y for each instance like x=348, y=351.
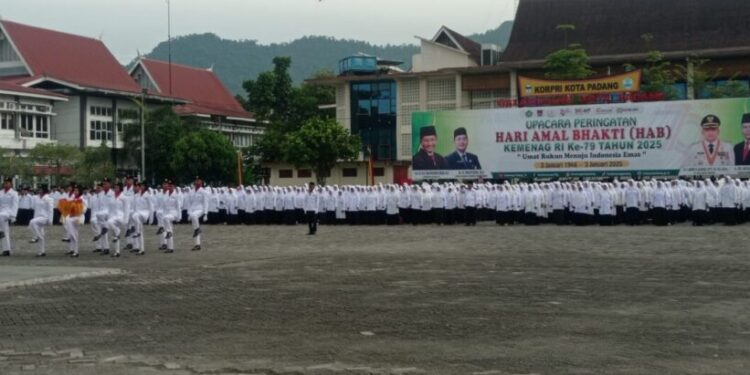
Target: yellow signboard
x=628, y=82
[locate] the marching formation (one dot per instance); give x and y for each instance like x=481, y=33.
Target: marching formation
x=121, y=212
x=115, y=212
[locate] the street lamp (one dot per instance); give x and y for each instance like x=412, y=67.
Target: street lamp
x=143, y=134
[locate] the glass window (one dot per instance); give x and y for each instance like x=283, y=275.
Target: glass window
x=27, y=125
x=42, y=127
x=285, y=173
x=7, y=121
x=378, y=172
x=304, y=173
x=374, y=117
x=349, y=172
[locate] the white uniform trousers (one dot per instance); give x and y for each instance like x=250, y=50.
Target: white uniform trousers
x=97, y=226
x=167, y=221
x=37, y=225
x=195, y=219
x=115, y=224
x=138, y=219
x=5, y=228
x=71, y=228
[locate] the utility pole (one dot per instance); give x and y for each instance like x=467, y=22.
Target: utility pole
x=143, y=134
x=169, y=44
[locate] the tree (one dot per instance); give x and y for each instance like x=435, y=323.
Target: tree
x=568, y=63
x=57, y=157
x=659, y=76
x=704, y=80
x=320, y=144
x=95, y=164
x=204, y=153
x=163, y=128
x=14, y=165
x=273, y=98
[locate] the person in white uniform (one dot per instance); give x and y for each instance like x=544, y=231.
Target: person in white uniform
x=43, y=213
x=8, y=212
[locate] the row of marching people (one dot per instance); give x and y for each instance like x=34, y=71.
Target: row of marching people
x=116, y=213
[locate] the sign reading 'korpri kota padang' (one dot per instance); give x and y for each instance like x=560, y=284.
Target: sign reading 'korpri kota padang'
x=628, y=82
x=698, y=137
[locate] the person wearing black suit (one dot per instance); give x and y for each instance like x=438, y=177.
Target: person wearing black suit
x=742, y=149
x=460, y=159
x=426, y=158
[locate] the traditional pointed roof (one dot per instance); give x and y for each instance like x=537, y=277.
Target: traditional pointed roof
x=200, y=87
x=615, y=28
x=72, y=59
x=453, y=39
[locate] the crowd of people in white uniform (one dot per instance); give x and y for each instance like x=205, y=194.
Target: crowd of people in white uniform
x=120, y=212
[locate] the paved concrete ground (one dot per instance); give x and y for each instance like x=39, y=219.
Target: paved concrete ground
x=16, y=276
x=405, y=300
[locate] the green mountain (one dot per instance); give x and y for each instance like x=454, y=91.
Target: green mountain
x=235, y=61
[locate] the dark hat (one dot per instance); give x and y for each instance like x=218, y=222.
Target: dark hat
x=710, y=122
x=746, y=118
x=198, y=178
x=427, y=130
x=459, y=131
x=8, y=179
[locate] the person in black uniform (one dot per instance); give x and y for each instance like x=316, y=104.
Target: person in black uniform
x=742, y=149
x=460, y=159
x=426, y=158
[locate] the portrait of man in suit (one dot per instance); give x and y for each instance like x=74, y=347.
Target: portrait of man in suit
x=460, y=158
x=426, y=158
x=742, y=149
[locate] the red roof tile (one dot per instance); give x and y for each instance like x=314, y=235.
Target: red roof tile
x=207, y=95
x=71, y=58
x=12, y=87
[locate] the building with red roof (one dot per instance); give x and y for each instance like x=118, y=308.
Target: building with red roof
x=99, y=92
x=205, y=97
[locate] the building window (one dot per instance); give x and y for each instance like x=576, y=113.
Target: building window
x=42, y=127
x=349, y=172
x=27, y=126
x=100, y=130
x=304, y=173
x=101, y=111
x=373, y=109
x=378, y=172
x=128, y=114
x=285, y=173
x=7, y=121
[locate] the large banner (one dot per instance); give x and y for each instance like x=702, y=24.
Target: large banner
x=627, y=82
x=696, y=137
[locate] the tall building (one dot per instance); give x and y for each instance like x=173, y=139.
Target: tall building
x=375, y=101
x=453, y=72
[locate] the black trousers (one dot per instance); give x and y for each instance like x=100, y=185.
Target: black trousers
x=660, y=216
x=730, y=215
x=632, y=216
x=699, y=217
x=312, y=221
x=558, y=217
x=471, y=215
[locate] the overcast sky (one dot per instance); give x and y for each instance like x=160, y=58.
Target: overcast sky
x=127, y=26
